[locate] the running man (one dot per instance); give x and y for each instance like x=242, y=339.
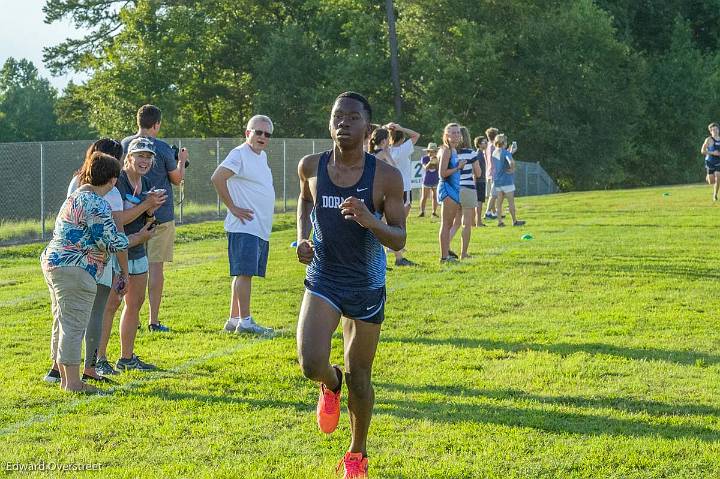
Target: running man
x=711, y=150
x=343, y=195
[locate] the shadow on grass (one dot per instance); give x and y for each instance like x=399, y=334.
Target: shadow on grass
x=454, y=411
x=566, y=349
x=653, y=269
x=639, y=265
x=655, y=408
x=451, y=409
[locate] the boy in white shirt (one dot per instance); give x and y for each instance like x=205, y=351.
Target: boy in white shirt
x=244, y=183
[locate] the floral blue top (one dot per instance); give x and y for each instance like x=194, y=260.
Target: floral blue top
x=84, y=235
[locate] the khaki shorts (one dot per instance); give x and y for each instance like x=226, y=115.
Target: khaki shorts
x=160, y=246
x=468, y=197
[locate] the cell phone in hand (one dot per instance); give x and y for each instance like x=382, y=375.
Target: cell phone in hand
x=120, y=285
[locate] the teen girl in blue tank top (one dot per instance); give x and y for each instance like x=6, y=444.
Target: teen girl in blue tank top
x=449, y=187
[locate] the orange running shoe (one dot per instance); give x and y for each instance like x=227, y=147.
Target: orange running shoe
x=355, y=465
x=328, y=407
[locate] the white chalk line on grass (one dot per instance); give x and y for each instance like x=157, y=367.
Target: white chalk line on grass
x=22, y=299
x=68, y=407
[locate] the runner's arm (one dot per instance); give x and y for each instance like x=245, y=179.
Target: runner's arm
x=305, y=201
x=392, y=234
x=704, y=150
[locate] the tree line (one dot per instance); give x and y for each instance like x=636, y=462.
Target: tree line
x=604, y=93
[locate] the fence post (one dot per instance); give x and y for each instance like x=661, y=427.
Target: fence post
x=42, y=192
x=313, y=146
x=527, y=173
x=284, y=176
x=217, y=161
x=182, y=188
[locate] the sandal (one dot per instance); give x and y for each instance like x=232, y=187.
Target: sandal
x=100, y=379
x=85, y=389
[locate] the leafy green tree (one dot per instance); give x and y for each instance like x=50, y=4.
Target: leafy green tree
x=27, y=103
x=682, y=91
x=73, y=116
x=594, y=90
x=550, y=74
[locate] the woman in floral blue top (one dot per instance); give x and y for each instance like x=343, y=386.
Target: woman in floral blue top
x=84, y=236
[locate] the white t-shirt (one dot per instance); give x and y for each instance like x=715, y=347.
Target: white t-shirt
x=250, y=187
x=401, y=155
x=113, y=196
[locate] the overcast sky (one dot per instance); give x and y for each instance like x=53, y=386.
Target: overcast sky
x=23, y=34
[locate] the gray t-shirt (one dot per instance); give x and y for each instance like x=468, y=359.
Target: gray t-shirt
x=158, y=175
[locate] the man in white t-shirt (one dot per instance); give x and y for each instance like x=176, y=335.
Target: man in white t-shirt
x=244, y=183
x=402, y=146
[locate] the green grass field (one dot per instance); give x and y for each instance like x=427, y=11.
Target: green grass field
x=591, y=351
x=13, y=232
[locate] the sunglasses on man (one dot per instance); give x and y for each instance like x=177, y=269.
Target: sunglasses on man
x=262, y=133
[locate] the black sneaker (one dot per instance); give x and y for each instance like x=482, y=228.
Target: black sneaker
x=518, y=223
x=158, y=328
x=104, y=368
x=134, y=363
x=452, y=254
x=53, y=376
x=404, y=262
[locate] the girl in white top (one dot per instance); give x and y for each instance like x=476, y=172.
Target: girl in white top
x=402, y=146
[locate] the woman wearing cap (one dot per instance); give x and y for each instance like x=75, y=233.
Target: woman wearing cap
x=134, y=188
x=431, y=178
x=449, y=186
x=74, y=260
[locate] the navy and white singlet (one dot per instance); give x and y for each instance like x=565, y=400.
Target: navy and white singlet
x=347, y=255
x=712, y=161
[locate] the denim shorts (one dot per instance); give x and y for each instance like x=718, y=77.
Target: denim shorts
x=138, y=266
x=247, y=254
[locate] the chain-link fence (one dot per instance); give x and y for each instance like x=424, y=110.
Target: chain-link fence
x=34, y=178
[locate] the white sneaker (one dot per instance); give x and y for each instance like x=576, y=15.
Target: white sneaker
x=230, y=325
x=251, y=327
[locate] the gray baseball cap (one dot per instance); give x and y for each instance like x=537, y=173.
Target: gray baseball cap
x=141, y=143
